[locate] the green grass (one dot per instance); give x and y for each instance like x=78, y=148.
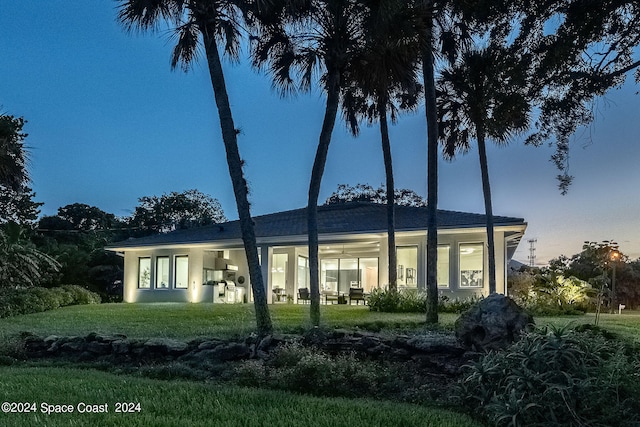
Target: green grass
x=169, y=403
x=164, y=403
x=186, y=321
x=627, y=325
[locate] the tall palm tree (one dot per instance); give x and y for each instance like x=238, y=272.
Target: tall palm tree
x=483, y=96
x=383, y=80
x=313, y=39
x=210, y=22
x=13, y=155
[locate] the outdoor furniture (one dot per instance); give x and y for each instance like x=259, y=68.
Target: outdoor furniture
x=357, y=295
x=330, y=296
x=303, y=295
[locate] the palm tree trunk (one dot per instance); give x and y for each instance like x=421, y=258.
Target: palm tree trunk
x=331, y=111
x=488, y=209
x=391, y=206
x=240, y=190
x=432, y=176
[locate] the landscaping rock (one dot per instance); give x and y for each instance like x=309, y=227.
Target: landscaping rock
x=165, y=346
x=231, y=351
x=492, y=324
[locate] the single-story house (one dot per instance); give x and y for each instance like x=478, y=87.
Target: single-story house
x=208, y=264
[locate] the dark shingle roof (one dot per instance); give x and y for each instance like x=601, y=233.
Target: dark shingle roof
x=353, y=217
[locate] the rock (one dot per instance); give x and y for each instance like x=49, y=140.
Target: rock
x=165, y=346
x=231, y=351
x=97, y=347
x=208, y=345
x=121, y=346
x=492, y=323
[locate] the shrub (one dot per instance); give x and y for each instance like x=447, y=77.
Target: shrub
x=549, y=295
x=415, y=301
x=556, y=378
x=34, y=300
x=294, y=367
x=407, y=301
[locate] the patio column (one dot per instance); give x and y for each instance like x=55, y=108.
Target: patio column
x=383, y=263
x=266, y=254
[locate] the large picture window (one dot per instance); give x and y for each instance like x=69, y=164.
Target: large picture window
x=443, y=266
x=181, y=272
x=338, y=275
x=471, y=265
x=144, y=273
x=162, y=272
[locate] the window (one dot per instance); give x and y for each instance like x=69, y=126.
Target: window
x=338, y=275
x=368, y=273
x=162, y=272
x=407, y=258
x=144, y=273
x=279, y=271
x=303, y=272
x=443, y=266
x=181, y=272
x=471, y=265
x=329, y=275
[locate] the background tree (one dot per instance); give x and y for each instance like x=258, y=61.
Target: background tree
x=366, y=193
x=76, y=238
x=484, y=95
x=19, y=206
x=13, y=153
x=315, y=39
x=173, y=211
x=581, y=50
x=84, y=217
x=212, y=22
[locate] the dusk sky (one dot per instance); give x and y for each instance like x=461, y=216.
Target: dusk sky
x=109, y=122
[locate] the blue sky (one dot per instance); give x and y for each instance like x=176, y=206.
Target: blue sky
x=109, y=122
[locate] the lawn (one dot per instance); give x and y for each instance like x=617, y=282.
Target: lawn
x=178, y=403
x=174, y=403
x=186, y=321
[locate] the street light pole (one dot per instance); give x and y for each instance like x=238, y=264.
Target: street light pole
x=615, y=254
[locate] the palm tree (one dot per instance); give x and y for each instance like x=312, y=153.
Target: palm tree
x=384, y=79
x=313, y=37
x=483, y=95
x=210, y=22
x=13, y=156
x=21, y=264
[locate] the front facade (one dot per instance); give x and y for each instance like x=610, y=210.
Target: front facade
x=208, y=264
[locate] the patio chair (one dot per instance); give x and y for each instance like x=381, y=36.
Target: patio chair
x=357, y=295
x=303, y=295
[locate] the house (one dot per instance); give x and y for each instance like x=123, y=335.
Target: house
x=208, y=264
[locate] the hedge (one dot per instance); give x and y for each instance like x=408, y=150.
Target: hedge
x=34, y=300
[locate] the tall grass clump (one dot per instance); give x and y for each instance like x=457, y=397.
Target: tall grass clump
x=14, y=302
x=556, y=377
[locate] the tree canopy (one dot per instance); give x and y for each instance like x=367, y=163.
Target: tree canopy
x=366, y=193
x=173, y=211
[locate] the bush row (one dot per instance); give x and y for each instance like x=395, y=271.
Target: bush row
x=33, y=300
x=415, y=302
x=559, y=377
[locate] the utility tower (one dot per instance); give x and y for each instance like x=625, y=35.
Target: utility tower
x=532, y=252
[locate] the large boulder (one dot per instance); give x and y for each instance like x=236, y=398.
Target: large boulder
x=492, y=324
